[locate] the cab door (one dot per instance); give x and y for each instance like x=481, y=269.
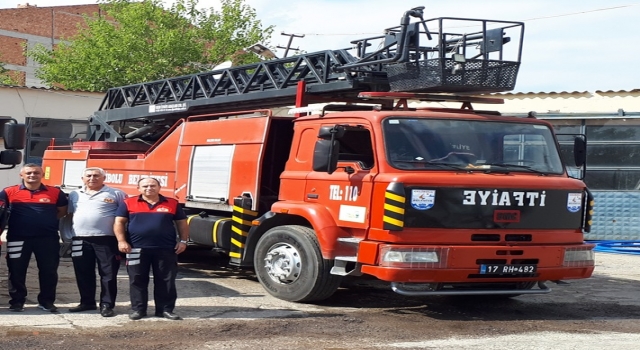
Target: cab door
x=347, y=191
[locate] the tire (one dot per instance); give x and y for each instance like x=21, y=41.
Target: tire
x=289, y=265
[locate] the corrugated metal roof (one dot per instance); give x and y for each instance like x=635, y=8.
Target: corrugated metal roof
x=46, y=88
x=567, y=93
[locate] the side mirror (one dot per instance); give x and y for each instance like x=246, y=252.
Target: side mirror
x=15, y=138
x=15, y=135
x=10, y=157
x=580, y=151
x=325, y=156
x=331, y=132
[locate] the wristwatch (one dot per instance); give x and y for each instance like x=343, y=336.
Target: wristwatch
x=182, y=241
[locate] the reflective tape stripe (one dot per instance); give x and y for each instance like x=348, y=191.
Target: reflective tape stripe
x=15, y=255
x=394, y=197
x=238, y=231
x=392, y=221
x=245, y=211
x=393, y=208
x=76, y=253
x=240, y=221
x=76, y=248
x=237, y=243
x=133, y=256
x=76, y=242
x=14, y=249
x=133, y=262
x=15, y=243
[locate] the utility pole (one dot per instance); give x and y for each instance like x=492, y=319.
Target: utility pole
x=291, y=36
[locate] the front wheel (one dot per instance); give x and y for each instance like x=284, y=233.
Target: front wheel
x=290, y=266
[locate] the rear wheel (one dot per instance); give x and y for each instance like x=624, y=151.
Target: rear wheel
x=289, y=265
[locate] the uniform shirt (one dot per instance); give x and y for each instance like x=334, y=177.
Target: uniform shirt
x=94, y=214
x=151, y=226
x=34, y=213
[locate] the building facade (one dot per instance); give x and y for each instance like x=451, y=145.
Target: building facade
x=25, y=26
x=58, y=115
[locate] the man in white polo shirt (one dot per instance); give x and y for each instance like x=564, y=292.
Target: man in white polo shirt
x=93, y=209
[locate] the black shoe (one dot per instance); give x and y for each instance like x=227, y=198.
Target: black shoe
x=82, y=307
x=48, y=308
x=169, y=315
x=106, y=311
x=16, y=307
x=136, y=315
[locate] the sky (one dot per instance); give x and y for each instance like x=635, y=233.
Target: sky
x=569, y=45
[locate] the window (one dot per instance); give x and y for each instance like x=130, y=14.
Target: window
x=41, y=131
x=613, y=154
x=526, y=149
x=570, y=129
x=356, y=145
x=445, y=144
x=613, y=151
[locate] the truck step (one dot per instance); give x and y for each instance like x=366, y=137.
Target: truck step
x=341, y=263
x=347, y=258
x=351, y=240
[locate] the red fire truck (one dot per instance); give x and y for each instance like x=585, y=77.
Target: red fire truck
x=359, y=181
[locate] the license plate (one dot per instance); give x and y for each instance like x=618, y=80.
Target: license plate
x=507, y=269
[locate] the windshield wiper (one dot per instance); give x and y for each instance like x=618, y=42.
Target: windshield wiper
x=517, y=166
x=456, y=166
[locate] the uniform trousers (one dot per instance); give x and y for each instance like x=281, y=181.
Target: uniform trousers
x=86, y=252
x=164, y=264
x=47, y=253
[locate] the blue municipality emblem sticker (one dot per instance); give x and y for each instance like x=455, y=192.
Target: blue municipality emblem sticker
x=423, y=199
x=574, y=202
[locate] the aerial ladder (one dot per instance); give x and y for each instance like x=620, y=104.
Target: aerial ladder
x=442, y=55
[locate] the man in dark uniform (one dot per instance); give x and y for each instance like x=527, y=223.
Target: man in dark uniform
x=151, y=244
x=33, y=229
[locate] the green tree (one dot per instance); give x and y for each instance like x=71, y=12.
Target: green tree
x=6, y=77
x=145, y=41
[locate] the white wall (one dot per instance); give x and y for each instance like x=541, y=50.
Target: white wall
x=606, y=102
x=21, y=102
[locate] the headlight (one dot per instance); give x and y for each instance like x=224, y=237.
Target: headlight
x=413, y=257
x=395, y=256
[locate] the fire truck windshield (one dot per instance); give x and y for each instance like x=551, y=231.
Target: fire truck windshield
x=490, y=146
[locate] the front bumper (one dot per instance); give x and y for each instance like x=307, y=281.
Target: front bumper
x=462, y=264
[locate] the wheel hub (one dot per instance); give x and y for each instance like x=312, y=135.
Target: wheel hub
x=282, y=263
